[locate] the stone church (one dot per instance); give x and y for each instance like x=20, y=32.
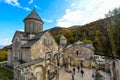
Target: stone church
x=32, y=43
x=27, y=53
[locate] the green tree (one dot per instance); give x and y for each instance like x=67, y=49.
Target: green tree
x=113, y=19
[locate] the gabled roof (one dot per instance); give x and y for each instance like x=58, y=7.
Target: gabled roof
x=62, y=37
x=21, y=35
x=34, y=15
x=33, y=40
x=68, y=46
x=79, y=42
x=89, y=46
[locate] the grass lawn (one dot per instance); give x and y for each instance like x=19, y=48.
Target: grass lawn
x=5, y=74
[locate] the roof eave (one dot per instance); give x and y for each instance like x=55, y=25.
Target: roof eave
x=33, y=19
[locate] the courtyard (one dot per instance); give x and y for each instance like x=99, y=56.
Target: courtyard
x=63, y=75
x=68, y=76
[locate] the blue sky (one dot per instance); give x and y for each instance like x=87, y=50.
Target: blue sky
x=64, y=13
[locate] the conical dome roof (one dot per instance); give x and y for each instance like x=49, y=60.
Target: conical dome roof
x=33, y=15
x=62, y=37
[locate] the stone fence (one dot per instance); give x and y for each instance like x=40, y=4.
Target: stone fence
x=3, y=62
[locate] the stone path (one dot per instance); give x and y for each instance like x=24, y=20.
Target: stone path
x=68, y=76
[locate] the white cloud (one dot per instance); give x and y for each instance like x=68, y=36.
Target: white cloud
x=16, y=4
x=64, y=24
x=13, y=2
x=31, y=1
x=103, y=8
x=21, y=30
x=5, y=42
x=73, y=4
x=71, y=18
x=27, y=9
x=84, y=11
x=37, y=7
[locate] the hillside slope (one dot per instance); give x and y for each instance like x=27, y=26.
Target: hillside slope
x=95, y=32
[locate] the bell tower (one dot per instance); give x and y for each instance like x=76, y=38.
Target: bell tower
x=63, y=40
x=33, y=24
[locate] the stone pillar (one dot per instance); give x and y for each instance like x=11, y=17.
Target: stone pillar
x=69, y=61
x=57, y=77
x=61, y=61
x=56, y=61
x=47, y=75
x=68, y=67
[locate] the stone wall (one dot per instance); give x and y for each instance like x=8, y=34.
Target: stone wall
x=26, y=54
x=33, y=26
x=79, y=51
x=45, y=44
x=115, y=69
x=9, y=57
x=39, y=69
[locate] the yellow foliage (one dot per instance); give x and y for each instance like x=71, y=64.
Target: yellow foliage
x=87, y=41
x=3, y=54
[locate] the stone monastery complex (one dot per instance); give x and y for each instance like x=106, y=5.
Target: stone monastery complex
x=34, y=54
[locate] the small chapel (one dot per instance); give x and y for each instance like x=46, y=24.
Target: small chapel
x=77, y=52
x=27, y=54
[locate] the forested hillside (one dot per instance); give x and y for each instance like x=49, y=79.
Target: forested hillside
x=104, y=34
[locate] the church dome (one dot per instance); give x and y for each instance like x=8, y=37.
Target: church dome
x=33, y=23
x=34, y=15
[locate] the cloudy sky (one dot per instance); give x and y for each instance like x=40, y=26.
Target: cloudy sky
x=64, y=13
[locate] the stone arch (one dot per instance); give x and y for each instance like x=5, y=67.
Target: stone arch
x=56, y=58
x=56, y=55
x=49, y=56
x=39, y=72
